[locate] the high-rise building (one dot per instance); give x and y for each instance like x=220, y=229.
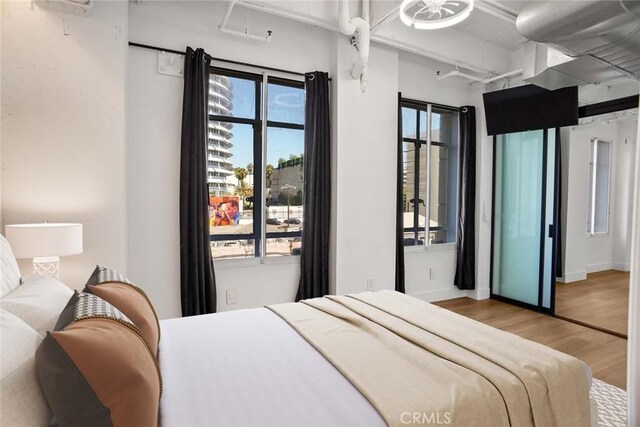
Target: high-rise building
x=219, y=146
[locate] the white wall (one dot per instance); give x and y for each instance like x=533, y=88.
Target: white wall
x=365, y=171
x=63, y=126
x=625, y=172
x=633, y=355
x=153, y=147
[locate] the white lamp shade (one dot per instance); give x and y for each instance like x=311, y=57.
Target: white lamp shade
x=44, y=240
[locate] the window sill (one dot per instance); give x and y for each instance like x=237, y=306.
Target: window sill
x=224, y=264
x=440, y=247
x=598, y=235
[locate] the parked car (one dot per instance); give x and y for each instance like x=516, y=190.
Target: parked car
x=292, y=221
x=273, y=221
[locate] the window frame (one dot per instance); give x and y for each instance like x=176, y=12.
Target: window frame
x=260, y=125
x=593, y=185
x=427, y=143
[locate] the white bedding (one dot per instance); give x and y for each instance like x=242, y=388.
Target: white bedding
x=249, y=368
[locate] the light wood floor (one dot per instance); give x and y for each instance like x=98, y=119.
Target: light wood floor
x=602, y=300
x=606, y=354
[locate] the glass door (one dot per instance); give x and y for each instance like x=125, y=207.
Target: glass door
x=523, y=218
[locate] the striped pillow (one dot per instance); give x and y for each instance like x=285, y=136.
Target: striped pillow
x=128, y=298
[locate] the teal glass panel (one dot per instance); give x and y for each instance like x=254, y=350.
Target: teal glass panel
x=518, y=215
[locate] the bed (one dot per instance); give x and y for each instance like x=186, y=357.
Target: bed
x=251, y=367
x=370, y=359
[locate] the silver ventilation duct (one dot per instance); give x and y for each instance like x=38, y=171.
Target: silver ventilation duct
x=584, y=41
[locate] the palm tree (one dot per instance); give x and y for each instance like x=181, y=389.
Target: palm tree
x=269, y=172
x=250, y=168
x=243, y=190
x=240, y=174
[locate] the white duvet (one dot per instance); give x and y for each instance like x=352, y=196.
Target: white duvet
x=249, y=368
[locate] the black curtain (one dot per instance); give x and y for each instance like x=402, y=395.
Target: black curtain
x=314, y=259
x=466, y=248
x=197, y=279
x=399, y=206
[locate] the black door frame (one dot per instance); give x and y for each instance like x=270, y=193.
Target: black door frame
x=543, y=234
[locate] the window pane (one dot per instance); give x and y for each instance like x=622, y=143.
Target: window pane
x=233, y=249
x=439, y=186
x=443, y=126
x=230, y=180
x=409, y=122
x=423, y=125
x=410, y=238
x=422, y=186
x=232, y=96
x=284, y=246
x=601, y=190
x=285, y=104
x=408, y=173
x=285, y=185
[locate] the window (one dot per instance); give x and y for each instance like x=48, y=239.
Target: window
x=430, y=169
x=255, y=166
x=599, y=175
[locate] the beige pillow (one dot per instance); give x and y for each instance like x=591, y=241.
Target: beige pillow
x=38, y=301
x=95, y=368
x=22, y=403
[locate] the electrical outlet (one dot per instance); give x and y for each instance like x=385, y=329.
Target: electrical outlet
x=232, y=296
x=371, y=284
x=432, y=274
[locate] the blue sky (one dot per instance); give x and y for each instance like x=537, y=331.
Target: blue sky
x=285, y=104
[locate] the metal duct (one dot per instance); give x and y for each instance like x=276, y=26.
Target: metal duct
x=605, y=31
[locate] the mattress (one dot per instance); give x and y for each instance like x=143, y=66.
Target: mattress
x=250, y=368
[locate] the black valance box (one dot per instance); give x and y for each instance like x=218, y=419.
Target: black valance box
x=529, y=108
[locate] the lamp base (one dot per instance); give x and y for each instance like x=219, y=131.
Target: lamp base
x=47, y=266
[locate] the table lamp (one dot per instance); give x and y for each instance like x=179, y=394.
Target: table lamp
x=45, y=243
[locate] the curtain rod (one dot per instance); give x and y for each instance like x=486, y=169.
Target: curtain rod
x=229, y=61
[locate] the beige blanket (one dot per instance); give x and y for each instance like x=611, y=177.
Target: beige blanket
x=419, y=364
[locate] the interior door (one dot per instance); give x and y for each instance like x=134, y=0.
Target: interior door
x=523, y=247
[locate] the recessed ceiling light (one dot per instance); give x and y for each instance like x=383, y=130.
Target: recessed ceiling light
x=434, y=14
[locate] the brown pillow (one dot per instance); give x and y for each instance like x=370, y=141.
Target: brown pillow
x=129, y=299
x=95, y=368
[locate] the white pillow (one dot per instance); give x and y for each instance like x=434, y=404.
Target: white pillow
x=38, y=302
x=21, y=400
x=8, y=268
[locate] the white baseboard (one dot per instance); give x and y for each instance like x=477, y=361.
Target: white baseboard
x=602, y=266
x=622, y=266
x=573, y=277
x=482, y=293
x=442, y=294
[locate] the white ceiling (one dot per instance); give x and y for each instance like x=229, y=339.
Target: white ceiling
x=490, y=29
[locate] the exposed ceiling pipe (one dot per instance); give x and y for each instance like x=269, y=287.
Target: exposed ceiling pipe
x=498, y=10
x=361, y=31
x=488, y=80
x=223, y=27
x=386, y=19
x=376, y=38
